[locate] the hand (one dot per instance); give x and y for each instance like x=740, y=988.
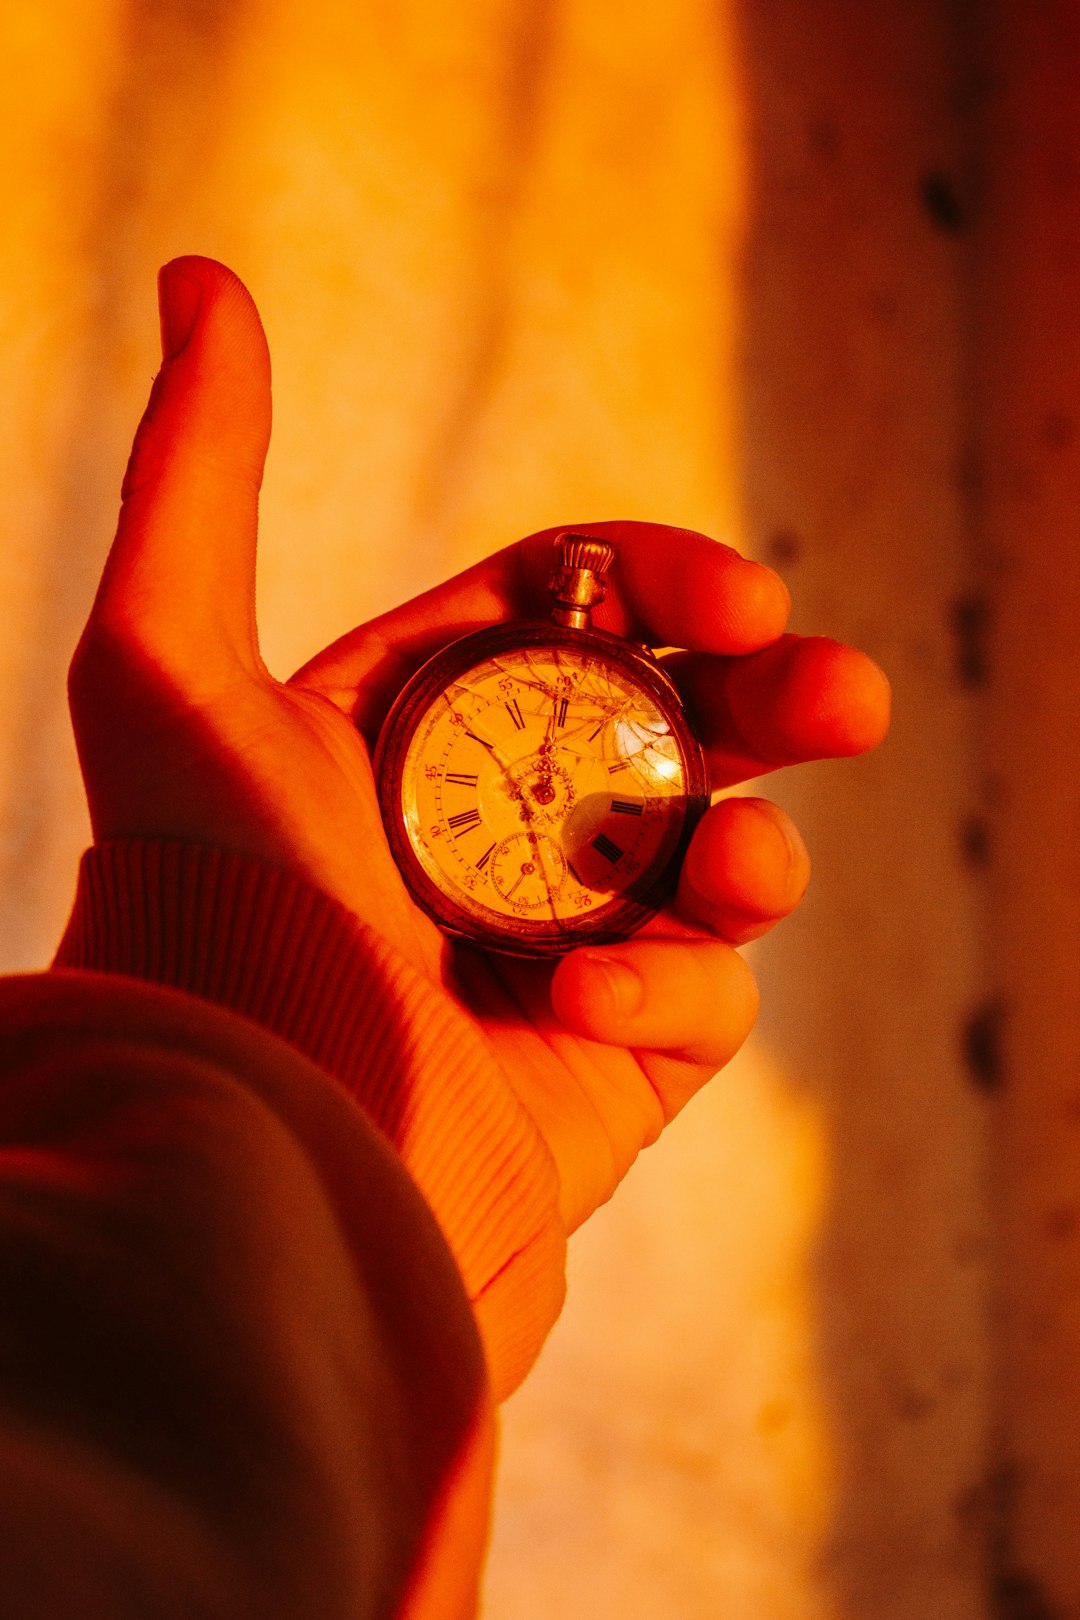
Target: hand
x=183, y=733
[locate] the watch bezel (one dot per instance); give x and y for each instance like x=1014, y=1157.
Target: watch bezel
x=615, y=920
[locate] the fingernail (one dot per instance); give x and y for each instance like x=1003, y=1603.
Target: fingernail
x=179, y=297
x=794, y=849
x=779, y=585
x=624, y=985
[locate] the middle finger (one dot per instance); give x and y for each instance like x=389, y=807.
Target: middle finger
x=745, y=869
x=803, y=698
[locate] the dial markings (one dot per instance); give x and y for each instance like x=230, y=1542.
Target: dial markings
x=581, y=746
x=606, y=847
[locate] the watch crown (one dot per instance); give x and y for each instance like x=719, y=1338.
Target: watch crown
x=577, y=580
x=583, y=551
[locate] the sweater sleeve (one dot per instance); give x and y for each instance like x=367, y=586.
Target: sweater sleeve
x=239, y=1377
x=257, y=940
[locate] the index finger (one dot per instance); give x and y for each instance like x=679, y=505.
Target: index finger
x=668, y=587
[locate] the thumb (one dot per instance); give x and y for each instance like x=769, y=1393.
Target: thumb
x=180, y=578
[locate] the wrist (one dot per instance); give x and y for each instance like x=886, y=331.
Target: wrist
x=256, y=939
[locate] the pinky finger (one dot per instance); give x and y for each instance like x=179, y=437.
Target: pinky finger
x=693, y=1000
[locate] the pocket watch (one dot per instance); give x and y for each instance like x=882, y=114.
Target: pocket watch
x=539, y=781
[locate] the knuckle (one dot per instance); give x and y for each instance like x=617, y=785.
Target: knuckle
x=109, y=641
x=103, y=673
x=95, y=653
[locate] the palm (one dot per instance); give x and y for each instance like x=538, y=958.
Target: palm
x=600, y=1090
x=595, y=1105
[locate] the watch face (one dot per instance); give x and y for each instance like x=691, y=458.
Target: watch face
x=541, y=795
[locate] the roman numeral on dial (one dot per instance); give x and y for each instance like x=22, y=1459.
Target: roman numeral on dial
x=464, y=821
x=561, y=705
x=462, y=781
x=627, y=807
x=606, y=847
x=513, y=709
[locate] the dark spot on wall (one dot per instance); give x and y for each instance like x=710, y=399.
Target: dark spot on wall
x=915, y=1404
x=982, y=1046
x=970, y=619
x=824, y=139
x=1016, y=1596
x=1061, y=1223
x=941, y=202
x=784, y=548
x=975, y=842
x=883, y=306
x=1059, y=430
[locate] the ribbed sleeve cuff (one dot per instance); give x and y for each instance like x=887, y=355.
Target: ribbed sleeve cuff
x=256, y=939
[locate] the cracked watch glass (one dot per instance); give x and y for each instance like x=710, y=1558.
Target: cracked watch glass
x=539, y=782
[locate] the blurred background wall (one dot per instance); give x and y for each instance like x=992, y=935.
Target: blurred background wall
x=802, y=275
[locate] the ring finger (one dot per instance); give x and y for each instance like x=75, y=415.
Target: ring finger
x=746, y=868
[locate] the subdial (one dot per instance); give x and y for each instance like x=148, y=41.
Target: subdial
x=528, y=871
